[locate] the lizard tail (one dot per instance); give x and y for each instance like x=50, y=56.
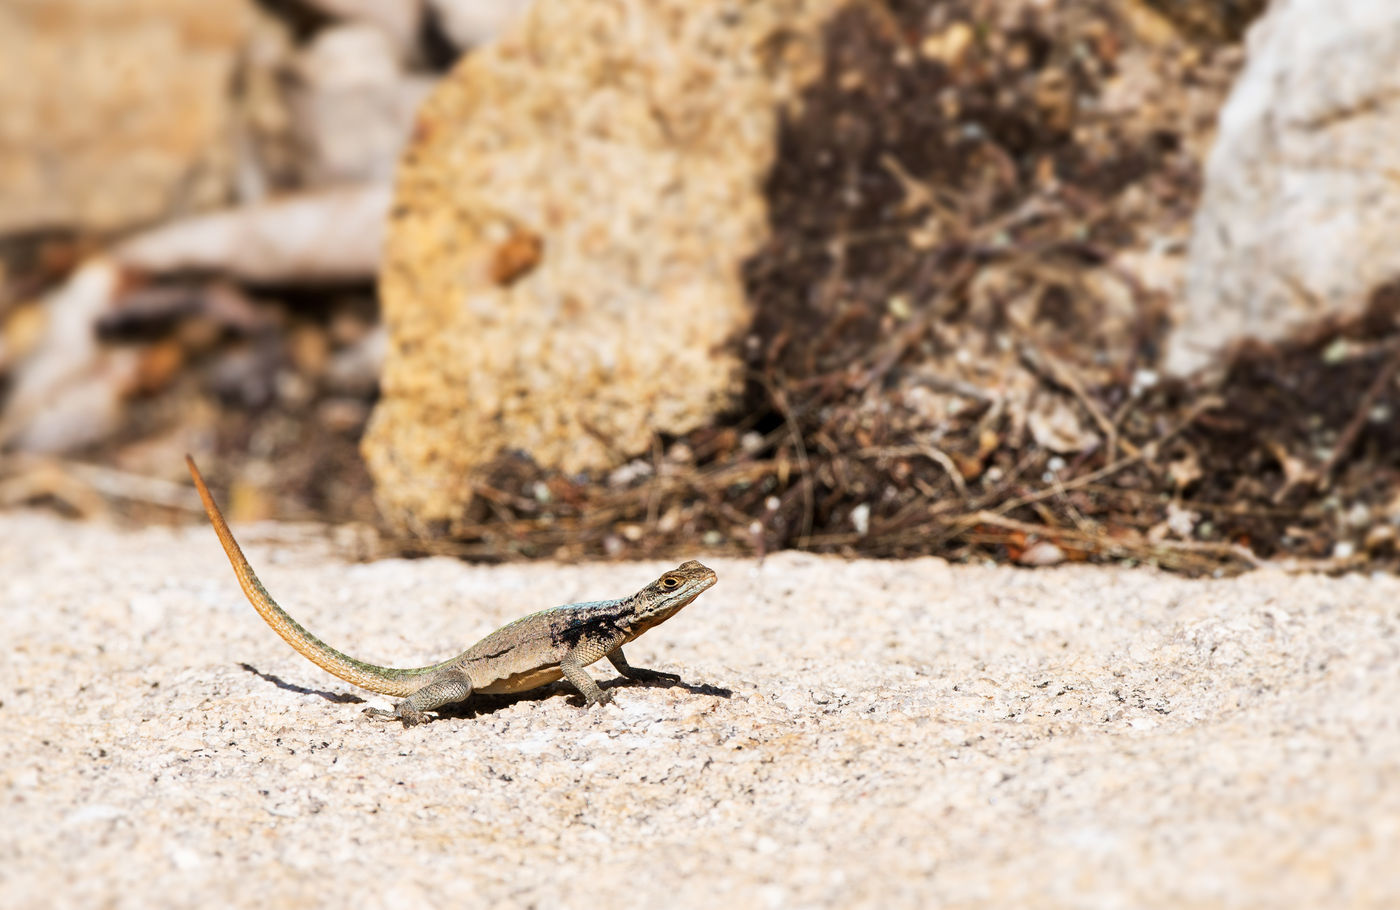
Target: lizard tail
x=384, y=680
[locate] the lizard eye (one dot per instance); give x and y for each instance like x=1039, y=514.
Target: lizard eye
x=669, y=582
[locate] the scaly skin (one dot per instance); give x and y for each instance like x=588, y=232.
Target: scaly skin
x=532, y=651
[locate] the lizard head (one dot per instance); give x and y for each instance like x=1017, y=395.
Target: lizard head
x=673, y=590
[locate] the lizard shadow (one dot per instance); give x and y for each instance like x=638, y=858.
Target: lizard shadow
x=341, y=698
x=479, y=704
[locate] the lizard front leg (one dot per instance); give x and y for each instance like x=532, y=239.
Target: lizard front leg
x=452, y=686
x=641, y=674
x=572, y=668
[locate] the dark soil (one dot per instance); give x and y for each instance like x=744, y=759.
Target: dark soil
x=902, y=180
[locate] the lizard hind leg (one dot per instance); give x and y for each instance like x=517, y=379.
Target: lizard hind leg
x=452, y=686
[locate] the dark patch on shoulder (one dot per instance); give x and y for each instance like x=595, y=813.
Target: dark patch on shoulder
x=603, y=624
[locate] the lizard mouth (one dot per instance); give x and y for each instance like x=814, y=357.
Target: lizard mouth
x=705, y=583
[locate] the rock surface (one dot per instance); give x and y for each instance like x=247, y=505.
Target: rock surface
x=1301, y=205
x=561, y=271
x=896, y=734
x=113, y=113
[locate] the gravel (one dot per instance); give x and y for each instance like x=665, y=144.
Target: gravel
x=850, y=734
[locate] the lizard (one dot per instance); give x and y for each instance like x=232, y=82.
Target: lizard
x=532, y=651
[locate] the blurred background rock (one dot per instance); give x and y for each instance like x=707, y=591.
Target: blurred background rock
x=192, y=199
x=593, y=277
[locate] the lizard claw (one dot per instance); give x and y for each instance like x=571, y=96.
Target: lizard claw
x=408, y=716
x=413, y=718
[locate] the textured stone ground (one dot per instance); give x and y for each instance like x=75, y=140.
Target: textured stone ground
x=893, y=734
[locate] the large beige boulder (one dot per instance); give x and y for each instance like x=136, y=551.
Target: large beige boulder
x=1301, y=207
x=562, y=267
x=112, y=112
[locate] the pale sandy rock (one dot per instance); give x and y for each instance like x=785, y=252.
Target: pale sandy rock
x=112, y=112
x=893, y=735
x=562, y=268
x=1301, y=205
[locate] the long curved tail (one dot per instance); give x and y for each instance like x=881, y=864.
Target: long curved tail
x=384, y=680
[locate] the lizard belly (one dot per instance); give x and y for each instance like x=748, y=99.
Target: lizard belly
x=523, y=681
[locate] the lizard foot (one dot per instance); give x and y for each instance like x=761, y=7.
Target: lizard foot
x=401, y=712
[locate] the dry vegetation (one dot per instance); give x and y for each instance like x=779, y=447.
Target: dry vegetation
x=949, y=356
x=954, y=340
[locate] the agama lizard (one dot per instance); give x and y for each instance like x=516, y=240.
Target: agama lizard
x=532, y=651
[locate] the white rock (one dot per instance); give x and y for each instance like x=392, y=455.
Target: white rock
x=330, y=235
x=1301, y=205
x=399, y=20
x=68, y=392
x=470, y=23
x=354, y=105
